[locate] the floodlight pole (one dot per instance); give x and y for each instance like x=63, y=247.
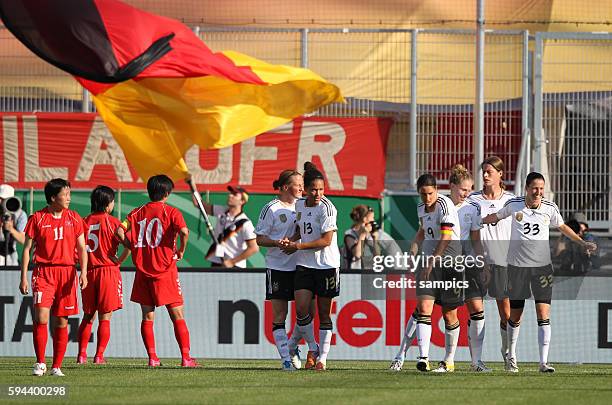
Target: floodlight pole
x=479, y=100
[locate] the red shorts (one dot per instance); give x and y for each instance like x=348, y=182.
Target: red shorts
x=55, y=287
x=155, y=292
x=104, y=291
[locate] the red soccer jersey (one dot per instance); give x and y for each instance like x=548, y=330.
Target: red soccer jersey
x=101, y=240
x=154, y=228
x=55, y=238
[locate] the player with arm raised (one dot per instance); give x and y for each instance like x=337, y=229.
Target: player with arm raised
x=104, y=292
x=495, y=238
x=56, y=232
x=318, y=263
x=154, y=230
x=529, y=264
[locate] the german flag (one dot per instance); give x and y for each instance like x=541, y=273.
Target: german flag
x=157, y=86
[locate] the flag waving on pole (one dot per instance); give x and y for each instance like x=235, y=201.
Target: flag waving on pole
x=156, y=85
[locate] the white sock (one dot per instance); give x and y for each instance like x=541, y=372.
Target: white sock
x=451, y=338
x=325, y=336
x=423, y=332
x=307, y=332
x=280, y=338
x=295, y=338
x=513, y=333
x=543, y=339
x=409, y=334
x=503, y=332
x=476, y=333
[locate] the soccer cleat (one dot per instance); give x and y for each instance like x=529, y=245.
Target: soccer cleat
x=311, y=359
x=39, y=369
x=396, y=364
x=480, y=368
x=189, y=363
x=423, y=364
x=154, y=363
x=99, y=360
x=56, y=372
x=546, y=368
x=444, y=367
x=295, y=358
x=511, y=366
x=81, y=359
x=320, y=366
x=288, y=366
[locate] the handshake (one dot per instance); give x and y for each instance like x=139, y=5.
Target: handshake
x=287, y=246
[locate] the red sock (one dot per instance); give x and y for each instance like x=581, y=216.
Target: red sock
x=84, y=336
x=60, y=341
x=104, y=337
x=148, y=338
x=40, y=335
x=182, y=336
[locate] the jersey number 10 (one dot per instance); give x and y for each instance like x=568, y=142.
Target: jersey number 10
x=153, y=243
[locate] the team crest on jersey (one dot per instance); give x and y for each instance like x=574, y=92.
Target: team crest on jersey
x=282, y=217
x=546, y=221
x=519, y=216
x=299, y=215
x=466, y=216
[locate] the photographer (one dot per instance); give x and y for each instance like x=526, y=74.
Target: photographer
x=13, y=221
x=363, y=233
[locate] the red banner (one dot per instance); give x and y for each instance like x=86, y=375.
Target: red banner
x=349, y=151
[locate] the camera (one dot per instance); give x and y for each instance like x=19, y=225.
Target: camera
x=375, y=226
x=9, y=207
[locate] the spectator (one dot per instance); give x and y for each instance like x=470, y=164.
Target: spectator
x=14, y=221
x=358, y=236
x=572, y=259
x=235, y=233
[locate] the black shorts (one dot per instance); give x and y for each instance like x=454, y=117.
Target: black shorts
x=475, y=287
x=279, y=285
x=525, y=282
x=322, y=282
x=446, y=297
x=498, y=285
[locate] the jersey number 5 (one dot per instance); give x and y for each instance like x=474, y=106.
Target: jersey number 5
x=93, y=237
x=152, y=242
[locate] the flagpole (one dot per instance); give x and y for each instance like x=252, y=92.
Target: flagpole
x=198, y=200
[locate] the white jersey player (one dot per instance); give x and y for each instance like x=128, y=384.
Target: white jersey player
x=318, y=264
x=276, y=224
x=529, y=266
x=495, y=239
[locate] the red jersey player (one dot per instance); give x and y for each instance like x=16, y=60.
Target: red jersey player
x=104, y=293
x=154, y=229
x=55, y=231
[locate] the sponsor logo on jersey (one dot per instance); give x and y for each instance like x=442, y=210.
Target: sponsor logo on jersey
x=69, y=307
x=519, y=216
x=309, y=214
x=282, y=217
x=46, y=226
x=492, y=206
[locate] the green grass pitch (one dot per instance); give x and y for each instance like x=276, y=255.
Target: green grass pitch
x=130, y=381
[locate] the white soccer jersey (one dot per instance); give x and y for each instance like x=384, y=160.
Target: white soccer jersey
x=233, y=237
x=529, y=240
x=495, y=237
x=277, y=222
x=313, y=222
x=443, y=215
x=469, y=220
